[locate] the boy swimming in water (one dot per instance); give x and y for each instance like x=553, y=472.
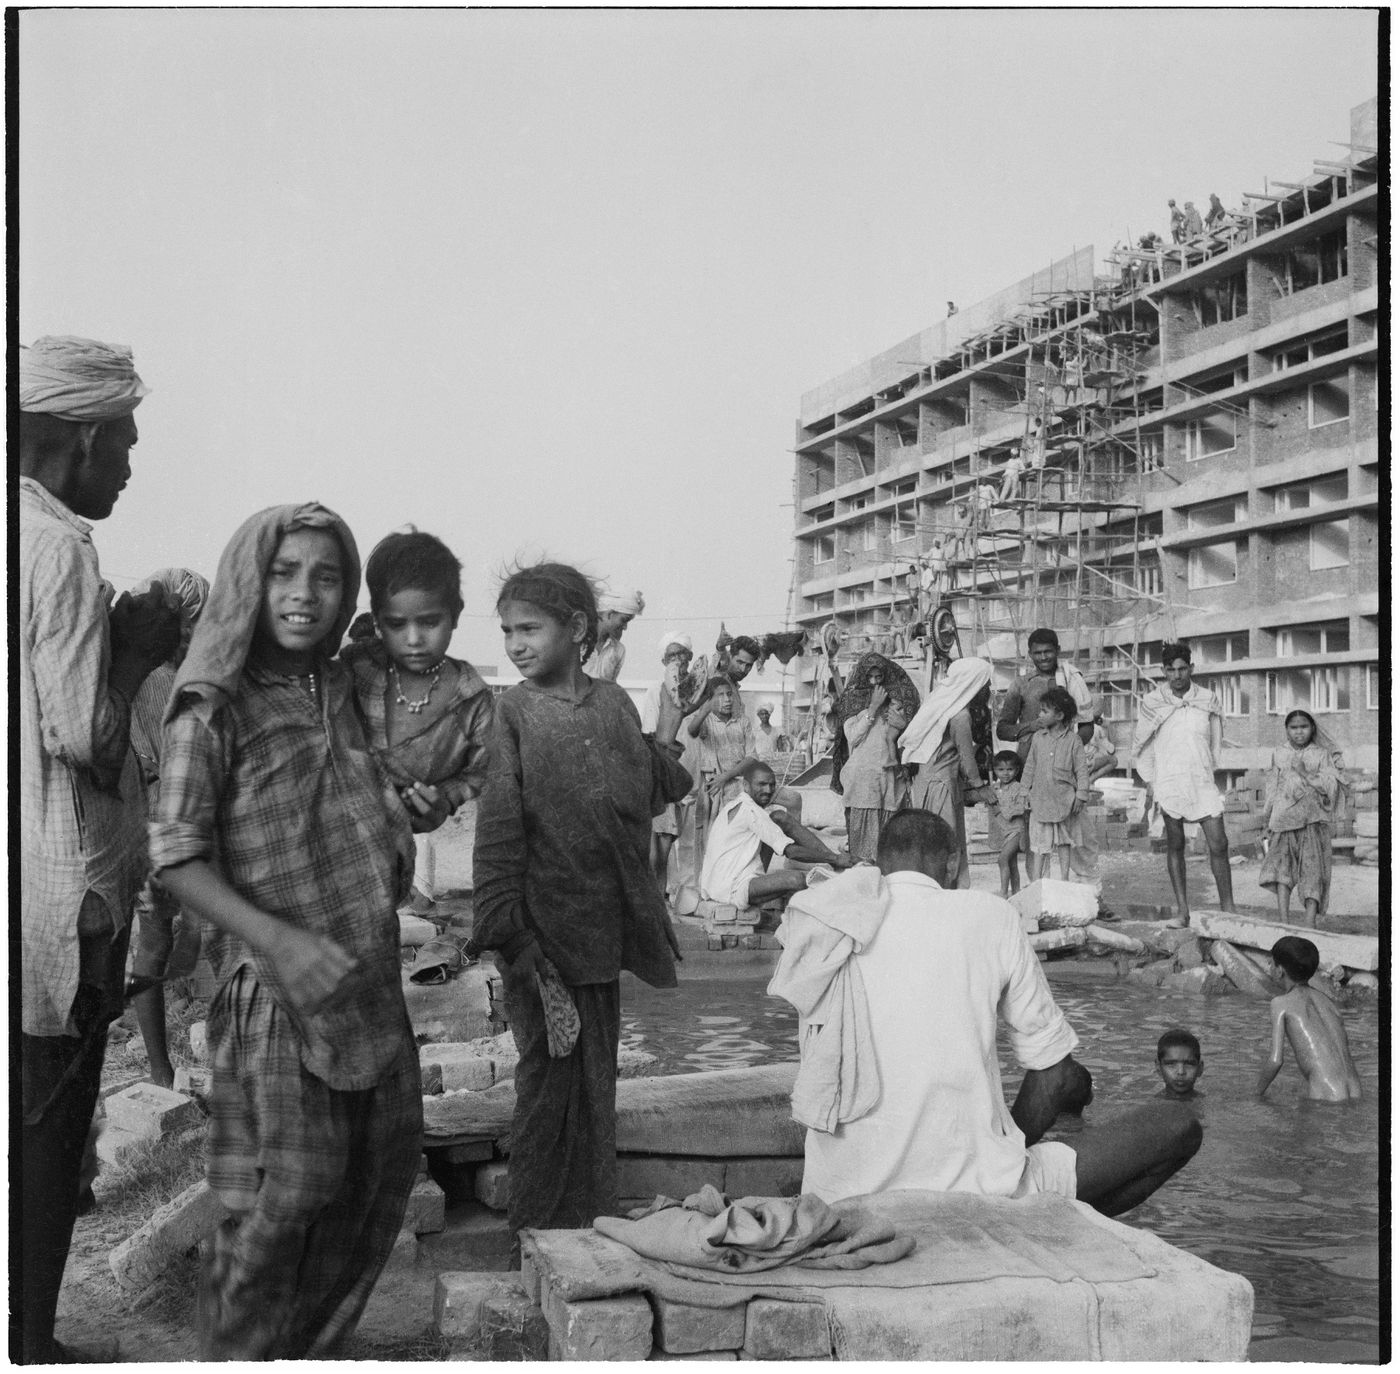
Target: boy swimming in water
x=1312, y=1026
x=1180, y=1064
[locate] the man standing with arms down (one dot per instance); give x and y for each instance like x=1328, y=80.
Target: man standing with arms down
x=936, y=967
x=82, y=811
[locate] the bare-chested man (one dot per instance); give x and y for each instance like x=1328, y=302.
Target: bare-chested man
x=1310, y=1023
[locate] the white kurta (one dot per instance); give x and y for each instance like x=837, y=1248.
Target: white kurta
x=936, y=975
x=1181, y=764
x=732, y=858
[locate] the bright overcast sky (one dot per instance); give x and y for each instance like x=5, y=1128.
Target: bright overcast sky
x=555, y=281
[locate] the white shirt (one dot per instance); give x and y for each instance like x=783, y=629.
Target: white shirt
x=731, y=851
x=765, y=740
x=940, y=968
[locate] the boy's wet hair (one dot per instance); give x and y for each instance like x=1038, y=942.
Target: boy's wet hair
x=1182, y=1039
x=1173, y=651
x=745, y=644
x=414, y=561
x=1007, y=756
x=1043, y=635
x=560, y=591
x=1060, y=700
x=1296, y=956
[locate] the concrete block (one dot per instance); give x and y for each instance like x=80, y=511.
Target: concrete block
x=776, y=1330
x=199, y=1040
x=468, y=1151
x=114, y=1144
x=1055, y=903
x=763, y=1177
x=1150, y=975
x=193, y=1080
x=1368, y=824
x=603, y=1329
x=1061, y=937
x=415, y=930
x=427, y=1208
x=1202, y=981
x=491, y=1186
x=1189, y=954
x=681, y=1329
x=458, y=1300
x=1115, y=939
x=672, y=1176
x=699, y=1355
x=462, y=1066
x=178, y=1226
x=513, y=1328
x=152, y=1111
x=473, y=1237
x=1348, y=951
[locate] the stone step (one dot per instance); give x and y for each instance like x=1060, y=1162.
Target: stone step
x=1334, y=951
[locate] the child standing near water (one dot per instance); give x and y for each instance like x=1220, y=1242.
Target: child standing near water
x=1008, y=819
x=276, y=826
x=1302, y=794
x=1057, y=777
x=564, y=888
x=427, y=715
x=1312, y=1027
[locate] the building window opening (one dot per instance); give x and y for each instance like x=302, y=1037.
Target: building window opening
x=1308, y=350
x=1219, y=301
x=1318, y=492
x=1320, y=260
x=1329, y=545
x=1373, y=686
x=1327, y=637
x=824, y=551
x=1221, y=648
x=1215, y=513
x=1328, y=402
x=1213, y=565
x=1211, y=434
x=1233, y=691
x=1308, y=689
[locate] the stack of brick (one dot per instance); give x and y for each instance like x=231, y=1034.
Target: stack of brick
x=729, y=927
x=1368, y=843
x=144, y=1113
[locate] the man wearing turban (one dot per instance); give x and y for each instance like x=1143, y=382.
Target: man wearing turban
x=615, y=613
x=82, y=846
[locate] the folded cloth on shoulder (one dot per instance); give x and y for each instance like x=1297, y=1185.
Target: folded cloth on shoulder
x=709, y=1231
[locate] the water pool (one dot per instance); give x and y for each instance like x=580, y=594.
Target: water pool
x=1284, y=1191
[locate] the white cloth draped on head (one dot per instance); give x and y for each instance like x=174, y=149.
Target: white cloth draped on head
x=188, y=588
x=624, y=603
x=676, y=637
x=78, y=379
x=922, y=736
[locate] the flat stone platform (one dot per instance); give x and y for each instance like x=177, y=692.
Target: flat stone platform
x=990, y=1279
x=1334, y=950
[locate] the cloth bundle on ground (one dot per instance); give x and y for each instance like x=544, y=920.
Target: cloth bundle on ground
x=441, y=958
x=709, y=1231
x=82, y=380
x=839, y=1079
x=902, y=693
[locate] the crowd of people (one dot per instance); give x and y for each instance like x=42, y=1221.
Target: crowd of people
x=247, y=773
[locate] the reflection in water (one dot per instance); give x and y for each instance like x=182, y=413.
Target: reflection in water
x=1284, y=1191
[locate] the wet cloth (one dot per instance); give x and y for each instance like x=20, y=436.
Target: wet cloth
x=937, y=973
x=825, y=926
x=733, y=857
x=82, y=811
x=856, y=697
x=450, y=751
x=1177, y=743
x=709, y=1231
x=1021, y=704
x=82, y=380
x=317, y=1180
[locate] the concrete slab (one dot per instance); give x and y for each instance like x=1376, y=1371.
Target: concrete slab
x=183, y=1222
x=1347, y=951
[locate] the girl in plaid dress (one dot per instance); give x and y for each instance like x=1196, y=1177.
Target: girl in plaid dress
x=276, y=826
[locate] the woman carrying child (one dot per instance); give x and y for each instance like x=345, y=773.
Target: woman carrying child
x=877, y=704
x=1057, y=777
x=276, y=826
x=427, y=715
x=564, y=888
x=1302, y=796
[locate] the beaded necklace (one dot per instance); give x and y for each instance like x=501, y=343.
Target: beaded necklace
x=415, y=708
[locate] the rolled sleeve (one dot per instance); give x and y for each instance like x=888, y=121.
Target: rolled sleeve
x=1040, y=1036
x=194, y=767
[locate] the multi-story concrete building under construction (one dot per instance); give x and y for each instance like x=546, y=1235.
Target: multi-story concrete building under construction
x=1181, y=442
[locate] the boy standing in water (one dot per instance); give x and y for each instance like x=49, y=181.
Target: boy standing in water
x=1312, y=1027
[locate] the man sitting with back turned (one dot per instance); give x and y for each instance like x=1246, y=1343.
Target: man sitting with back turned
x=934, y=968
x=734, y=868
